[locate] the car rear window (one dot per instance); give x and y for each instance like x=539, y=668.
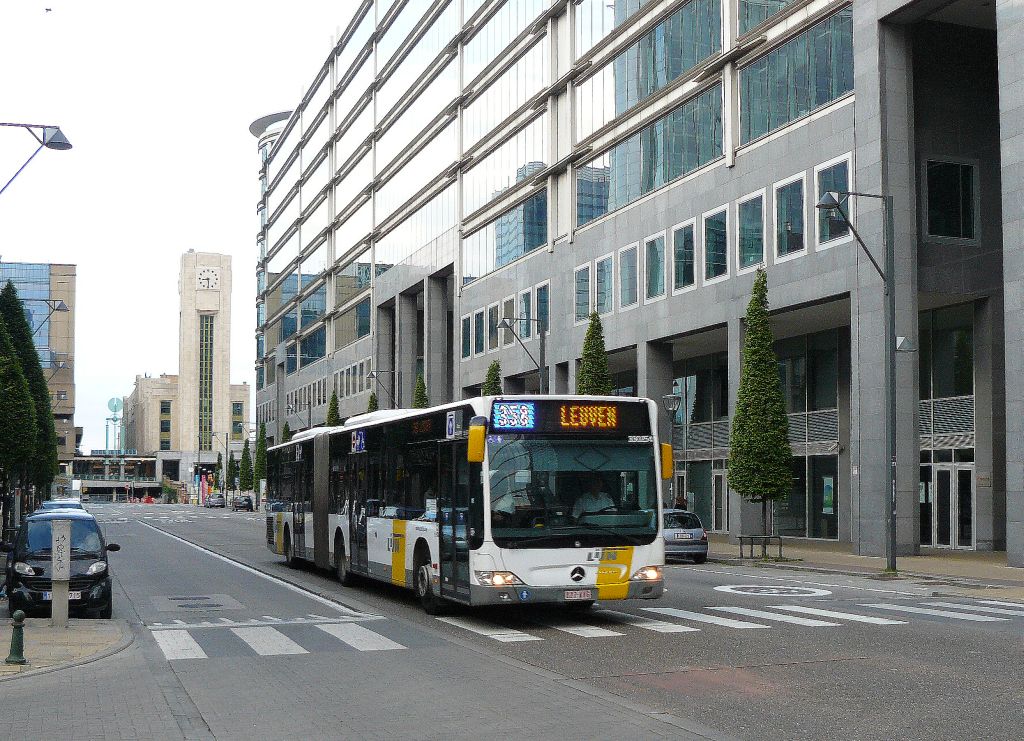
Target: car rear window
x=681, y=520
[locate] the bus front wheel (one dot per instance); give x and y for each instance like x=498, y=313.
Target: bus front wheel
x=431, y=604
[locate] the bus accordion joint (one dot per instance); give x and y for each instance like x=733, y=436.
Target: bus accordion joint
x=477, y=440
x=667, y=464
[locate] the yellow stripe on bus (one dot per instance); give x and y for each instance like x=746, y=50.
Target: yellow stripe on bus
x=613, y=573
x=398, y=552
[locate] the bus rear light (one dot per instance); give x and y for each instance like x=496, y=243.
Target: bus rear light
x=648, y=573
x=497, y=578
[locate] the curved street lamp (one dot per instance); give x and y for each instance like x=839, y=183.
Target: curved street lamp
x=50, y=137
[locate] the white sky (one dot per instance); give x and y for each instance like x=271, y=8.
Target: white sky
x=156, y=99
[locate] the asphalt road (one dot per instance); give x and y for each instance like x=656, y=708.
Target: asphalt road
x=730, y=651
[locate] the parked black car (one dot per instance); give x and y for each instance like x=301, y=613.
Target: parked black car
x=242, y=503
x=29, y=560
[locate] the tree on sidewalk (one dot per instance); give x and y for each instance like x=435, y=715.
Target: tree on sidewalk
x=333, y=418
x=232, y=471
x=419, y=394
x=245, y=468
x=218, y=471
x=259, y=464
x=492, y=382
x=760, y=459
x=371, y=405
x=593, y=377
x=17, y=423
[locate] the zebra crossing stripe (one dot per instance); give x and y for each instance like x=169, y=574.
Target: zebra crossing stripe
x=360, y=638
x=702, y=618
x=793, y=619
x=582, y=630
x=838, y=615
x=639, y=621
x=976, y=608
x=1004, y=604
x=938, y=613
x=268, y=641
x=178, y=644
x=498, y=633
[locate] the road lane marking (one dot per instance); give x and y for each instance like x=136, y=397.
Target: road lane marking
x=253, y=623
x=178, y=644
x=269, y=641
x=702, y=618
x=938, y=613
x=639, y=621
x=1004, y=604
x=280, y=582
x=498, y=633
x=975, y=608
x=807, y=622
x=271, y=618
x=579, y=629
x=359, y=637
x=745, y=575
x=839, y=615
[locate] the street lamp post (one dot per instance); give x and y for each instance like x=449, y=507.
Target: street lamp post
x=375, y=375
x=830, y=201
x=539, y=361
x=50, y=137
x=671, y=404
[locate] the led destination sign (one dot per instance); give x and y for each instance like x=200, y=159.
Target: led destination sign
x=628, y=418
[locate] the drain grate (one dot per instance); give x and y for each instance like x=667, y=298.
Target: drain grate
x=196, y=603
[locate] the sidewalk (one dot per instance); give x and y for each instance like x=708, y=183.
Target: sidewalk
x=48, y=648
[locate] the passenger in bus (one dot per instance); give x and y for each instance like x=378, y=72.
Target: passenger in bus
x=594, y=499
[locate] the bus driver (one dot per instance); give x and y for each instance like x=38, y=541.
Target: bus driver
x=594, y=499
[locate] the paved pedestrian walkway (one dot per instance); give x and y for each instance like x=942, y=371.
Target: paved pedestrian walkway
x=47, y=647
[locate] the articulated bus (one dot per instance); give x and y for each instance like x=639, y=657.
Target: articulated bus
x=492, y=500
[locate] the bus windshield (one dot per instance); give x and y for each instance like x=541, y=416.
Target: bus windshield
x=551, y=492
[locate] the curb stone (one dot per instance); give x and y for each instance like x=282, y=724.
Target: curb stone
x=127, y=639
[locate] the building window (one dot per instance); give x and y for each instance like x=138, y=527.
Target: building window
x=951, y=192
x=683, y=256
x=754, y=12
x=946, y=357
x=834, y=178
x=165, y=445
x=467, y=336
x=492, y=327
x=525, y=315
x=716, y=245
x=542, y=306
x=582, y=302
x=165, y=425
x=206, y=340
x=517, y=232
x=679, y=142
x=604, y=279
x=654, y=267
x=165, y=406
x=508, y=311
x=628, y=277
x=237, y=408
x=291, y=359
x=314, y=345
x=804, y=74
x=478, y=333
x=751, y=231
x=789, y=217
x=351, y=325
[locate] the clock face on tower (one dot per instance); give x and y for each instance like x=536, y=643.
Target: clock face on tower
x=208, y=278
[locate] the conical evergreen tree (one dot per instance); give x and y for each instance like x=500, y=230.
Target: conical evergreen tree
x=593, y=378
x=17, y=423
x=218, y=474
x=333, y=418
x=286, y=433
x=43, y=465
x=371, y=405
x=232, y=471
x=419, y=394
x=245, y=468
x=760, y=459
x=492, y=383
x=259, y=463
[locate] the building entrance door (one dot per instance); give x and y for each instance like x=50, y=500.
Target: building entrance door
x=953, y=508
x=720, y=496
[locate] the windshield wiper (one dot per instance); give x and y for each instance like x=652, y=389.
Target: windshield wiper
x=611, y=531
x=515, y=542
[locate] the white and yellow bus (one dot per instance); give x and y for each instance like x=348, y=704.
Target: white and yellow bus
x=493, y=500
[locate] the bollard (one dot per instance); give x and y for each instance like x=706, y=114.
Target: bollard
x=17, y=639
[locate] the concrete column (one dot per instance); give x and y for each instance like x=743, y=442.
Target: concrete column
x=405, y=348
x=436, y=350
x=989, y=426
x=560, y=384
x=385, y=357
x=571, y=369
x=654, y=380
x=1009, y=32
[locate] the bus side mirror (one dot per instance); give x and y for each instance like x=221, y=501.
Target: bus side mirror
x=477, y=440
x=667, y=464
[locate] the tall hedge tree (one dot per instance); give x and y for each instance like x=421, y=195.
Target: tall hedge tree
x=593, y=377
x=420, y=400
x=218, y=472
x=43, y=465
x=17, y=423
x=245, y=468
x=372, y=405
x=286, y=433
x=760, y=459
x=232, y=471
x=333, y=418
x=259, y=463
x=492, y=382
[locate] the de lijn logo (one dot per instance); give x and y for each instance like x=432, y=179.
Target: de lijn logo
x=577, y=574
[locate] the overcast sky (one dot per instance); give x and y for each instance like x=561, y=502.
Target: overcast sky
x=156, y=99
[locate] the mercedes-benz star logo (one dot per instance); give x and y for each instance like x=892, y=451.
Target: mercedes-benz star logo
x=577, y=574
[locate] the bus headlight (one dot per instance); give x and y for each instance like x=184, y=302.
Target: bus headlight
x=497, y=578
x=648, y=573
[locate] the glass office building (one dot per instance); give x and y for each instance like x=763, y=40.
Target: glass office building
x=456, y=162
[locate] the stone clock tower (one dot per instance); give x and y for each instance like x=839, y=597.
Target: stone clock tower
x=204, y=350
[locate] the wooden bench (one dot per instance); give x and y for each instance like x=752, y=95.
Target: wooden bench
x=764, y=540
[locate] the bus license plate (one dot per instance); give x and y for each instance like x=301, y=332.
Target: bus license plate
x=578, y=594
x=683, y=536
x=48, y=596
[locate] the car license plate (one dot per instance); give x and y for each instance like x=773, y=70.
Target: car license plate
x=684, y=536
x=48, y=596
x=578, y=594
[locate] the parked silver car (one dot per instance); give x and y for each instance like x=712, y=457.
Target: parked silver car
x=685, y=536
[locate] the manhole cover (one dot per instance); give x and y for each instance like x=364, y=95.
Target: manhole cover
x=196, y=602
x=769, y=590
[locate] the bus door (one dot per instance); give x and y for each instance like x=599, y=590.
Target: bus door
x=454, y=522
x=302, y=504
x=361, y=489
x=321, y=496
